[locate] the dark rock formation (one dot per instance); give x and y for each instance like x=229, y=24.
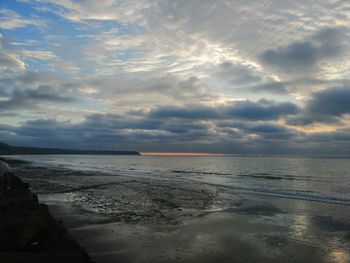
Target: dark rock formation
x=29, y=233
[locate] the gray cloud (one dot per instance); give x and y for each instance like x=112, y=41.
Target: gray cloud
x=277, y=88
x=334, y=102
x=305, y=55
x=325, y=106
x=271, y=131
x=247, y=110
x=147, y=132
x=31, y=98
x=238, y=74
x=296, y=56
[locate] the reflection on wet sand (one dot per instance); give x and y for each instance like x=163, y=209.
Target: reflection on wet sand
x=300, y=228
x=339, y=257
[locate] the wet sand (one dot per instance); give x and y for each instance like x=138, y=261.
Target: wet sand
x=216, y=237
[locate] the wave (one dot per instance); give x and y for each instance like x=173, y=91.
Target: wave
x=267, y=176
x=280, y=193
x=295, y=194
x=197, y=172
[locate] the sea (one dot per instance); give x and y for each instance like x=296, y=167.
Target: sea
x=315, y=179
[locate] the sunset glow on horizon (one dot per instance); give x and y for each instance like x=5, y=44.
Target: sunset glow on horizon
x=183, y=154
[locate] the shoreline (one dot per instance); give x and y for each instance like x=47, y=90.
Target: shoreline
x=168, y=221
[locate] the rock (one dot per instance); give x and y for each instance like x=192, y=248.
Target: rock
x=29, y=233
x=4, y=168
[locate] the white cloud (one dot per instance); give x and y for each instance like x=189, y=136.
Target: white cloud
x=11, y=20
x=39, y=54
x=10, y=63
x=123, y=11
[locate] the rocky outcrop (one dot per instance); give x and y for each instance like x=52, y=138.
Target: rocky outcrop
x=29, y=233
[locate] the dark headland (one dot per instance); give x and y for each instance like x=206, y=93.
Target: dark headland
x=29, y=233
x=6, y=149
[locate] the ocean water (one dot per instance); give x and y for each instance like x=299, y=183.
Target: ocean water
x=317, y=179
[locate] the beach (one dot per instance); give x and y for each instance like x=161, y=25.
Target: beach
x=131, y=218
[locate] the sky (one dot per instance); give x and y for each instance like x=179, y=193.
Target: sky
x=240, y=76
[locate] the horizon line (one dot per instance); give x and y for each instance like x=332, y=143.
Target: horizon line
x=184, y=154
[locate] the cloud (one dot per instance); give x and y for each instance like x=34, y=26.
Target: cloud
x=333, y=101
x=11, y=20
x=9, y=61
x=143, y=92
x=301, y=56
x=340, y=136
x=293, y=57
x=271, y=131
x=91, y=10
x=277, y=88
x=31, y=98
x=246, y=110
x=262, y=110
x=39, y=54
x=190, y=112
x=148, y=132
x=238, y=74
x=325, y=106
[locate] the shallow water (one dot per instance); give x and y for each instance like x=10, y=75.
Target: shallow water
x=290, y=205
x=320, y=179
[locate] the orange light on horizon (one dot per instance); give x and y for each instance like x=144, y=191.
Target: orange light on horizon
x=183, y=154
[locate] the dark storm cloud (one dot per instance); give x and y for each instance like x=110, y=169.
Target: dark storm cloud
x=325, y=106
x=29, y=98
x=248, y=110
x=299, y=56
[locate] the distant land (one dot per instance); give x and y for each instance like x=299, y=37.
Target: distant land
x=6, y=149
